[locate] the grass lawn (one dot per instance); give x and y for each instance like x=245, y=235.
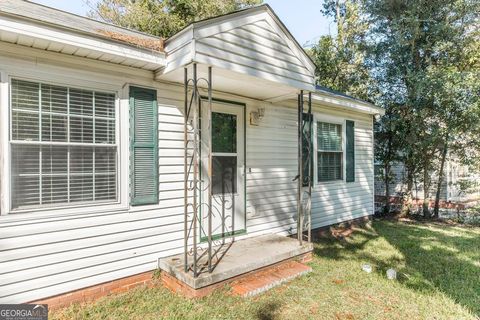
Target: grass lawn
x=439, y=278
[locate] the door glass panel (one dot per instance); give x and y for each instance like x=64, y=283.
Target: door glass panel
x=224, y=132
x=224, y=177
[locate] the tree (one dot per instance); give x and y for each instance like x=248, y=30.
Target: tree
x=386, y=148
x=163, y=18
x=425, y=53
x=340, y=58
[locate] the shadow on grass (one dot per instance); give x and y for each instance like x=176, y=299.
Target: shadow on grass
x=268, y=311
x=439, y=261
x=341, y=248
x=442, y=258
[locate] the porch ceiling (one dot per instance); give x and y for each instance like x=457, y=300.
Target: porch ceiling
x=235, y=83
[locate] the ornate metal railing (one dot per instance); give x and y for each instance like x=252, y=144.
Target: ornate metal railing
x=305, y=169
x=200, y=257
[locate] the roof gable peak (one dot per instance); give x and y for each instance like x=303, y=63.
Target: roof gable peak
x=243, y=19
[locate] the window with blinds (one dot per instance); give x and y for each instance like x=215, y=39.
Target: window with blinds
x=329, y=151
x=63, y=144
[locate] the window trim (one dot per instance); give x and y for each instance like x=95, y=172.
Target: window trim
x=121, y=122
x=319, y=117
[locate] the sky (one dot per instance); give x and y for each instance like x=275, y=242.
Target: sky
x=302, y=17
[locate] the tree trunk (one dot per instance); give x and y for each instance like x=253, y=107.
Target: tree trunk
x=387, y=168
x=440, y=179
x=339, y=19
x=408, y=197
x=426, y=191
x=416, y=194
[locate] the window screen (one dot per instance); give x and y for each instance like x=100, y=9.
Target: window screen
x=329, y=151
x=224, y=155
x=224, y=132
x=224, y=177
x=63, y=145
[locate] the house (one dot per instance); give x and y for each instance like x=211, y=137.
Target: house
x=460, y=188
x=95, y=145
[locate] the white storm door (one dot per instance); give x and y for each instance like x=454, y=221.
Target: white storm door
x=228, y=174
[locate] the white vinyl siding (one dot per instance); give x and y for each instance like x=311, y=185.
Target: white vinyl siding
x=59, y=250
x=272, y=148
x=63, y=145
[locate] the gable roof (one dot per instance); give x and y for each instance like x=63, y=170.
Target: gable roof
x=331, y=92
x=243, y=12
x=49, y=16
x=252, y=42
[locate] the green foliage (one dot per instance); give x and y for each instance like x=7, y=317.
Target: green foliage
x=163, y=18
x=424, y=58
x=420, y=60
x=340, y=59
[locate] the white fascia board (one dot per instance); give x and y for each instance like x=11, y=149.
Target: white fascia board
x=180, y=51
x=225, y=24
x=349, y=104
x=179, y=39
x=94, y=44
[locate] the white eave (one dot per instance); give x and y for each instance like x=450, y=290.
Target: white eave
x=57, y=39
x=346, y=103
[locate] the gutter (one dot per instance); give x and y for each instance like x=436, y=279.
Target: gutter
x=66, y=36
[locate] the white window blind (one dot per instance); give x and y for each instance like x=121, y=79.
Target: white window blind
x=63, y=143
x=329, y=151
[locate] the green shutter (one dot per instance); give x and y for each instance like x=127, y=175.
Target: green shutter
x=350, y=151
x=143, y=146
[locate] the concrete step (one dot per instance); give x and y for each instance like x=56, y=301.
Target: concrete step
x=263, y=280
x=237, y=259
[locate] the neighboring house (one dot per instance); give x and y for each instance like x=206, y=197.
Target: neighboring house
x=92, y=142
x=460, y=185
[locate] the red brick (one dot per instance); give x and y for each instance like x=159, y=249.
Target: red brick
x=97, y=291
x=266, y=277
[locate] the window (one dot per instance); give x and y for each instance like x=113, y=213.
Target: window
x=63, y=144
x=329, y=151
x=224, y=153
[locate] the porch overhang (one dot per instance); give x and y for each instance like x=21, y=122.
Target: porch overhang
x=251, y=51
x=233, y=82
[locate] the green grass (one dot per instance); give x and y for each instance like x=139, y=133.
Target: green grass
x=439, y=278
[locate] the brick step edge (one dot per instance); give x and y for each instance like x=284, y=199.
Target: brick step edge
x=265, y=280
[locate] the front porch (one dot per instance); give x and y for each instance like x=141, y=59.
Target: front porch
x=236, y=260
x=270, y=67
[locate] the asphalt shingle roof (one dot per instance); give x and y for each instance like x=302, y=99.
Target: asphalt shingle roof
x=33, y=11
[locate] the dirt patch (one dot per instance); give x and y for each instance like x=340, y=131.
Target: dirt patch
x=341, y=230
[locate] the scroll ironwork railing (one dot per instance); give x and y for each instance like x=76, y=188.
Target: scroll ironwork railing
x=200, y=257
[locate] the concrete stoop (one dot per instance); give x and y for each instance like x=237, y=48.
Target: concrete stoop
x=250, y=266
